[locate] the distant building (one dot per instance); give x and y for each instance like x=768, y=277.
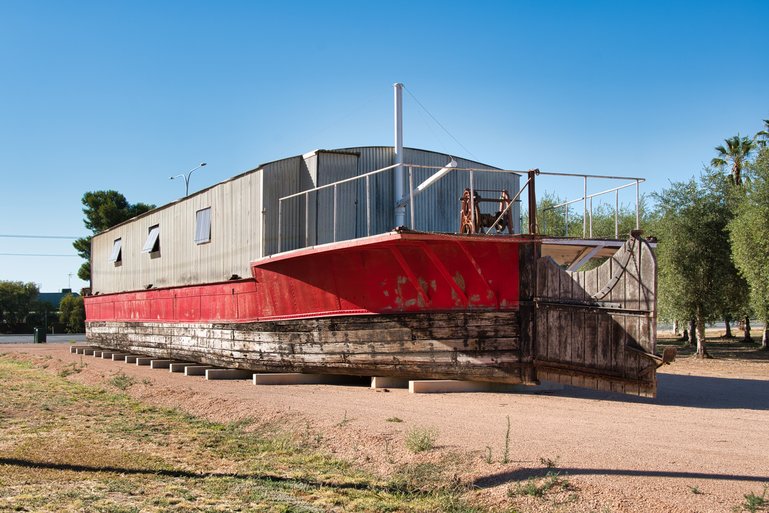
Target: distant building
x=54, y=298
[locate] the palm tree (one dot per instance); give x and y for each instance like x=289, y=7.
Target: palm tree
x=737, y=151
x=762, y=137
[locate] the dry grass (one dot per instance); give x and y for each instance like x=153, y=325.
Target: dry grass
x=69, y=447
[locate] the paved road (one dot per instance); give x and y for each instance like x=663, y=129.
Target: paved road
x=52, y=339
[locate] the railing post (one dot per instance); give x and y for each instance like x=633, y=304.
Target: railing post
x=472, y=202
x=280, y=225
x=532, y=202
x=584, y=208
x=567, y=220
x=368, y=206
x=307, y=219
x=334, y=213
x=616, y=214
x=637, y=205
x=411, y=196
x=591, y=217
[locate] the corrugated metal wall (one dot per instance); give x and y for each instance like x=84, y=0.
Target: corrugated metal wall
x=245, y=216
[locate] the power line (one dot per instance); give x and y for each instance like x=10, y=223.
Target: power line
x=24, y=236
x=37, y=255
x=439, y=123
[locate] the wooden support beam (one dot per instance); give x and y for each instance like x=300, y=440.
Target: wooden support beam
x=196, y=370
x=212, y=374
x=388, y=382
x=298, y=378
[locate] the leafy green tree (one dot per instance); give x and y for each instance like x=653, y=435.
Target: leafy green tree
x=762, y=137
x=72, y=313
x=103, y=210
x=749, y=233
x=737, y=152
x=17, y=300
x=694, y=254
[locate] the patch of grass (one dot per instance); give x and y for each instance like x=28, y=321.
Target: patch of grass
x=122, y=381
x=116, y=454
x=72, y=368
x=695, y=490
x=394, y=419
x=420, y=439
x=540, y=487
x=506, y=456
x=549, y=463
x=754, y=503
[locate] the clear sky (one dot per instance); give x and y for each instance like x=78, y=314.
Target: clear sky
x=122, y=94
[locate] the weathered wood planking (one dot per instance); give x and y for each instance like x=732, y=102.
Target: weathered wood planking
x=483, y=346
x=596, y=328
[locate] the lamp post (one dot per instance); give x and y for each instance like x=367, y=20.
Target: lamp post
x=187, y=178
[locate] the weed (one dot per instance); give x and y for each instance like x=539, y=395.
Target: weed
x=488, y=455
x=122, y=381
x=394, y=419
x=506, y=457
x=146, y=382
x=420, y=439
x=695, y=490
x=539, y=488
x=344, y=420
x=72, y=368
x=549, y=463
x=755, y=502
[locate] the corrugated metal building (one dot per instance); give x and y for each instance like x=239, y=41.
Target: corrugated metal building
x=212, y=235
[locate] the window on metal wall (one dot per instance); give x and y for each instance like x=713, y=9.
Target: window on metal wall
x=203, y=226
x=117, y=252
x=152, y=244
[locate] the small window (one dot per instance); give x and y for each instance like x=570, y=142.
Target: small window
x=152, y=245
x=117, y=251
x=203, y=226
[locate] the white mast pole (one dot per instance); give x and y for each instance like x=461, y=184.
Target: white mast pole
x=398, y=177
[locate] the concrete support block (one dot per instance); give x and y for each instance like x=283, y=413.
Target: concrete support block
x=228, y=374
x=97, y=353
x=131, y=358
x=196, y=370
x=440, y=386
x=83, y=349
x=297, y=378
x=160, y=364
x=388, y=382
x=88, y=351
x=119, y=357
x=106, y=355
x=73, y=349
x=143, y=360
x=179, y=366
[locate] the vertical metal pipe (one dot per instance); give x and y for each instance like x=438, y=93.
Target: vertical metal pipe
x=532, y=202
x=584, y=208
x=567, y=219
x=398, y=182
x=307, y=219
x=280, y=224
x=637, y=205
x=591, y=218
x=472, y=202
x=616, y=214
x=411, y=196
x=334, y=212
x=368, y=207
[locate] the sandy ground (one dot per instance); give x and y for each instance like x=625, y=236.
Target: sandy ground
x=698, y=447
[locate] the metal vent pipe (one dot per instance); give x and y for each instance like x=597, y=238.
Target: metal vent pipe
x=398, y=175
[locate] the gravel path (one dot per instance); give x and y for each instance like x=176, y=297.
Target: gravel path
x=698, y=447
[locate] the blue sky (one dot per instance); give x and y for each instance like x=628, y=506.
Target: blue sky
x=121, y=95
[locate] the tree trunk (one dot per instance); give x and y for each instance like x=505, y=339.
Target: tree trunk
x=692, y=332
x=701, y=351
x=747, y=330
x=728, y=324
x=676, y=328
x=685, y=337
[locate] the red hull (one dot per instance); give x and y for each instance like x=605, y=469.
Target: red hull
x=398, y=272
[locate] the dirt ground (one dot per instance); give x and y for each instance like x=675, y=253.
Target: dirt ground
x=700, y=446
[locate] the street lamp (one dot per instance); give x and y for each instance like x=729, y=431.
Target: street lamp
x=187, y=178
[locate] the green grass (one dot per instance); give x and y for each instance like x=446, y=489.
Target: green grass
x=540, y=487
x=420, y=439
x=71, y=447
x=754, y=503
